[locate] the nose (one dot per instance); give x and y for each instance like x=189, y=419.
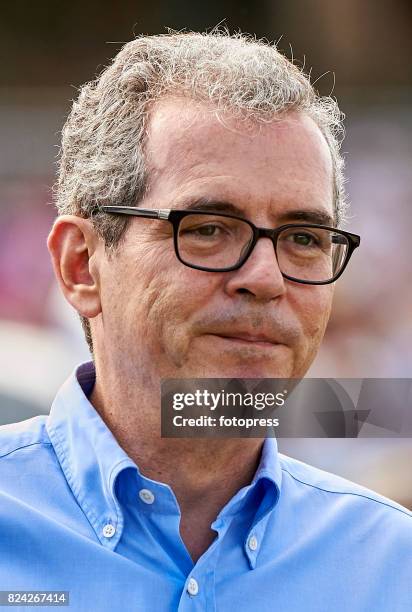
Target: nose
x=260, y=275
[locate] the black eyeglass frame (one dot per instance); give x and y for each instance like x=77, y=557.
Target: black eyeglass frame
x=176, y=216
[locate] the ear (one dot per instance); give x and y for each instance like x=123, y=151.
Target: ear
x=74, y=248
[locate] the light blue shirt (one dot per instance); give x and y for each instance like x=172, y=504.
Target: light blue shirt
x=77, y=515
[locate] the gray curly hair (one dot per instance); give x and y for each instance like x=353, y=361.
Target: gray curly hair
x=102, y=158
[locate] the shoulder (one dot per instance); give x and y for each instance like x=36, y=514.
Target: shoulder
x=341, y=494
x=346, y=534
x=29, y=434
x=27, y=461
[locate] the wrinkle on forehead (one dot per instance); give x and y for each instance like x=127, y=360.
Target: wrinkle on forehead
x=189, y=140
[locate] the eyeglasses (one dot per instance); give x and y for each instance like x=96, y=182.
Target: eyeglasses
x=216, y=242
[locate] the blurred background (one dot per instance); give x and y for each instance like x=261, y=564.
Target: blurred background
x=359, y=51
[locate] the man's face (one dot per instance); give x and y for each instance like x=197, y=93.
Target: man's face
x=163, y=319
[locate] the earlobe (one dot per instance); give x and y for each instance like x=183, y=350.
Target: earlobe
x=73, y=247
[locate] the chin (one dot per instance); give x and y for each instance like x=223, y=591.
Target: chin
x=222, y=359
x=254, y=363
x=253, y=371
x=248, y=369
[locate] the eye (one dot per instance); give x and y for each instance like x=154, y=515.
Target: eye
x=303, y=239
x=207, y=230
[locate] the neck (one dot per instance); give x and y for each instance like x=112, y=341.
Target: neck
x=203, y=473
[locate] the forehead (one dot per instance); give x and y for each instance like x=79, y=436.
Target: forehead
x=192, y=151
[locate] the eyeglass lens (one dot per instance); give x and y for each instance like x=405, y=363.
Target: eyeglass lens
x=304, y=253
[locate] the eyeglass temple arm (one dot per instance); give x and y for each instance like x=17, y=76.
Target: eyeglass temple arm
x=337, y=239
x=138, y=212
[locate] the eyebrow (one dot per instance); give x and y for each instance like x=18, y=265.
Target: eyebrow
x=210, y=205
x=309, y=215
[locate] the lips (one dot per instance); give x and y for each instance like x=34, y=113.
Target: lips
x=251, y=328
x=249, y=338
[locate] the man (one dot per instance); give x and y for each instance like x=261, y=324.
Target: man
x=93, y=500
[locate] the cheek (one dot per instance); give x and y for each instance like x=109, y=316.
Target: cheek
x=134, y=287
x=313, y=306
x=173, y=303
x=175, y=298
x=166, y=297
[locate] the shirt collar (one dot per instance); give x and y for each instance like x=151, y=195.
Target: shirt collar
x=89, y=455
x=260, y=498
x=92, y=459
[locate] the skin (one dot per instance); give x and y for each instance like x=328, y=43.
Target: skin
x=154, y=318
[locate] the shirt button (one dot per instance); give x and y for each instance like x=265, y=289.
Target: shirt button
x=252, y=542
x=109, y=531
x=192, y=587
x=146, y=496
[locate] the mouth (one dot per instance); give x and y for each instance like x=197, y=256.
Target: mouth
x=243, y=339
